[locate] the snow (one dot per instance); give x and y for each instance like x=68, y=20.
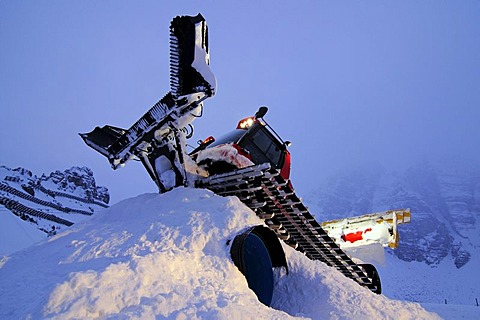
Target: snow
x=201, y=59
x=16, y=234
x=452, y=311
x=224, y=152
x=166, y=256
x=409, y=280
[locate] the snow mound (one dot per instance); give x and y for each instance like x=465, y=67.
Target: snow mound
x=167, y=256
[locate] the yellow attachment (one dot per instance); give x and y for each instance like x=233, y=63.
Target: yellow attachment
x=378, y=227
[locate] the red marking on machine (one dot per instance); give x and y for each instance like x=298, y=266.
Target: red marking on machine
x=355, y=236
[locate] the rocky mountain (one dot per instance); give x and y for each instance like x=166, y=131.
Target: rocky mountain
x=34, y=207
x=79, y=181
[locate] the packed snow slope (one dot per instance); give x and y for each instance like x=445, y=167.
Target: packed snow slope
x=167, y=256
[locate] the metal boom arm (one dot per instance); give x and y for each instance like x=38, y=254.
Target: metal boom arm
x=157, y=137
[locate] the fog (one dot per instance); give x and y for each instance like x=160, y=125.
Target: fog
x=348, y=83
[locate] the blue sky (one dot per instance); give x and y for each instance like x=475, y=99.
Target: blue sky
x=349, y=82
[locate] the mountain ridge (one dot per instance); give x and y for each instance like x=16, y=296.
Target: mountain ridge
x=38, y=207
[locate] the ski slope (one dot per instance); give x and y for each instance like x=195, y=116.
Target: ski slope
x=166, y=256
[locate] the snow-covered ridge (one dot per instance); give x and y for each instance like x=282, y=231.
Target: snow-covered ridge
x=167, y=256
x=35, y=207
x=76, y=181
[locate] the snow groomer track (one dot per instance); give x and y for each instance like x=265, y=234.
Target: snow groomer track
x=158, y=140
x=264, y=191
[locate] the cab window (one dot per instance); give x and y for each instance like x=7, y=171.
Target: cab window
x=231, y=137
x=263, y=147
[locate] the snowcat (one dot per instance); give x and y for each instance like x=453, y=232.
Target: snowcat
x=252, y=163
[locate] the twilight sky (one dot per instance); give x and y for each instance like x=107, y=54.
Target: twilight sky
x=348, y=82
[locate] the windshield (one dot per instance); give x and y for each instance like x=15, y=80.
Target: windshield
x=231, y=137
x=263, y=147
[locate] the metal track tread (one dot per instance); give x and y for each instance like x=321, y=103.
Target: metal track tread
x=264, y=191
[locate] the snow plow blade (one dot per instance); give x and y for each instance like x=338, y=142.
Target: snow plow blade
x=379, y=227
x=102, y=138
x=264, y=191
x=119, y=146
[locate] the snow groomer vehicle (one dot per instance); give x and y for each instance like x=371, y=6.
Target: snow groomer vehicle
x=251, y=162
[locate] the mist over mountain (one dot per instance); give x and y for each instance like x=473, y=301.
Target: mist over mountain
x=444, y=233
